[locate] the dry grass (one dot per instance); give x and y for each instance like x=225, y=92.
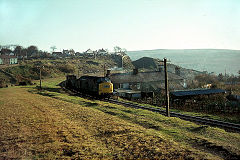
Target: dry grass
x=52, y=124
x=34, y=126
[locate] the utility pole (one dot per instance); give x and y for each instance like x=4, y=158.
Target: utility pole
x=104, y=70
x=40, y=76
x=166, y=88
x=122, y=60
x=78, y=71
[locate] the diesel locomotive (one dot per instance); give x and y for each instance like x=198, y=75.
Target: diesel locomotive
x=92, y=85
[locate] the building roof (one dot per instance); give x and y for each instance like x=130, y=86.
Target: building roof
x=142, y=77
x=7, y=56
x=88, y=51
x=57, y=53
x=196, y=92
x=102, y=50
x=127, y=91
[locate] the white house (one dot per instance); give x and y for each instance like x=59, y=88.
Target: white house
x=102, y=52
x=7, y=59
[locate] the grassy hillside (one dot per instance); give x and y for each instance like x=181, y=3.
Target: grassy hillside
x=51, y=124
x=56, y=68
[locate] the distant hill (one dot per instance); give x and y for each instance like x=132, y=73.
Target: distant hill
x=211, y=60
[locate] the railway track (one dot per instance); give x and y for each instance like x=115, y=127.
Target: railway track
x=215, y=123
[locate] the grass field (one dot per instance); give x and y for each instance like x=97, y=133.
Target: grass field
x=53, y=124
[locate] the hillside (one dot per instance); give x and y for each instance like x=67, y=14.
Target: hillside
x=53, y=124
x=154, y=64
x=211, y=60
x=29, y=69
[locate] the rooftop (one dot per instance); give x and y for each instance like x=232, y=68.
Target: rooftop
x=152, y=76
x=8, y=56
x=197, y=92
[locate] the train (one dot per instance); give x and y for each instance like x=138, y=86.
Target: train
x=91, y=85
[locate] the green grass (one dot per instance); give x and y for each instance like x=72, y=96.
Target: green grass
x=221, y=117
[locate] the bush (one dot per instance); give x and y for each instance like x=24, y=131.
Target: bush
x=66, y=68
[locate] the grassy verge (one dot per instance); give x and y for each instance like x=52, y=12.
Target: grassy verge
x=40, y=126
x=204, y=140
x=221, y=117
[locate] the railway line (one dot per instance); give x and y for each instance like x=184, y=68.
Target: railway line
x=215, y=123
x=233, y=127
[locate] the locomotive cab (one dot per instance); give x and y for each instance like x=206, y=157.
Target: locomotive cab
x=105, y=87
x=97, y=86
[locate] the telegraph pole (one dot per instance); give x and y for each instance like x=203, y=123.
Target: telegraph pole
x=104, y=70
x=40, y=75
x=166, y=88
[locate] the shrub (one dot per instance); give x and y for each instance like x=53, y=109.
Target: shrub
x=67, y=68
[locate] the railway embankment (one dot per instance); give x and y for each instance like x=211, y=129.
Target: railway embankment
x=52, y=123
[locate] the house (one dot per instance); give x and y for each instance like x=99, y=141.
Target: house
x=102, y=52
x=146, y=81
x=57, y=54
x=72, y=52
x=78, y=54
x=66, y=52
x=89, y=51
x=128, y=93
x=120, y=53
x=8, y=59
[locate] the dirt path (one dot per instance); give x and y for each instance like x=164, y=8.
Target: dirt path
x=34, y=126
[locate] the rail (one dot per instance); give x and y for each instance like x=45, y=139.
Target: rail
x=215, y=123
x=206, y=121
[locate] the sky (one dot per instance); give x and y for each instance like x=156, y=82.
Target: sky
x=130, y=24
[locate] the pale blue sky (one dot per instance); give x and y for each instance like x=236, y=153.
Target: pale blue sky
x=131, y=24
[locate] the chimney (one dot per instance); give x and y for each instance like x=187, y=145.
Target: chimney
x=108, y=73
x=177, y=70
x=135, y=71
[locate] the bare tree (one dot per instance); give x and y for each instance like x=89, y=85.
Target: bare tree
x=53, y=48
x=17, y=50
x=118, y=49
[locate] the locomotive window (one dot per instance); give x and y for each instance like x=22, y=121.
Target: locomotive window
x=106, y=86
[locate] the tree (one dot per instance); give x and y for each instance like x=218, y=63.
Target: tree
x=220, y=77
x=17, y=51
x=5, y=51
x=23, y=53
x=32, y=50
x=117, y=49
x=206, y=79
x=124, y=50
x=53, y=48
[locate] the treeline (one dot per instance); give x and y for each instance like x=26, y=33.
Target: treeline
x=21, y=52
x=223, y=81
